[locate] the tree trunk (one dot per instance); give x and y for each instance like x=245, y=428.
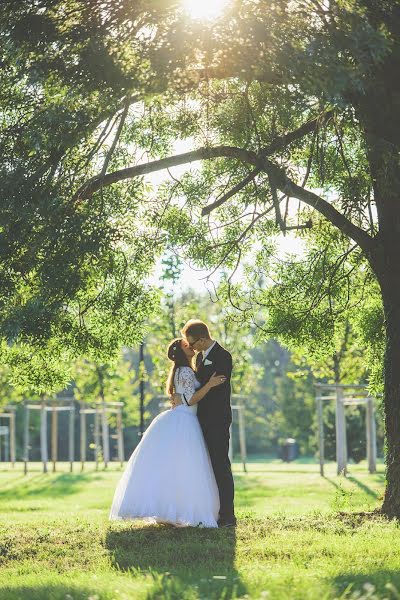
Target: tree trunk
x=386, y=264
x=380, y=116
x=391, y=300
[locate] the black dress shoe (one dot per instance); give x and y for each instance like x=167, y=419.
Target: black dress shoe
x=225, y=523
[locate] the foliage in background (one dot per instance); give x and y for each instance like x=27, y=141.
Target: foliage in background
x=96, y=88
x=91, y=89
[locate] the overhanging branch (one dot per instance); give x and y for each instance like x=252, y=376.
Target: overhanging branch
x=310, y=126
x=277, y=176
x=94, y=184
x=248, y=156
x=279, y=143
x=239, y=186
x=122, y=120
x=290, y=188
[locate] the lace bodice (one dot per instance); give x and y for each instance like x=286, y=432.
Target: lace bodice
x=186, y=383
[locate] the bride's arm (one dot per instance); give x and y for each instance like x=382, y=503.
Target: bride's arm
x=189, y=396
x=212, y=382
x=197, y=396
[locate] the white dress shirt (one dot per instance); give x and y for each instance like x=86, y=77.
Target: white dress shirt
x=206, y=352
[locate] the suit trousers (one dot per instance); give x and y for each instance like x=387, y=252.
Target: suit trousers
x=217, y=439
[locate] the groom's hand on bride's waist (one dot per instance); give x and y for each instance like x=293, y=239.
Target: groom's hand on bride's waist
x=175, y=400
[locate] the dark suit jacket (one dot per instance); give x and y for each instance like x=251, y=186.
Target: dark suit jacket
x=215, y=407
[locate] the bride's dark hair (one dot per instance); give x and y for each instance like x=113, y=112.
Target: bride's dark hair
x=179, y=359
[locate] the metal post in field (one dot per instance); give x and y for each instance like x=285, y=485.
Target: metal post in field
x=321, y=442
x=371, y=435
x=341, y=441
x=26, y=437
x=54, y=435
x=238, y=409
x=355, y=396
x=7, y=445
x=71, y=435
x=106, y=441
x=43, y=435
x=242, y=436
x=120, y=437
x=97, y=436
x=83, y=437
x=12, y=438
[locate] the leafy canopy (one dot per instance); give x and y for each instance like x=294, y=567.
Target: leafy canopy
x=271, y=97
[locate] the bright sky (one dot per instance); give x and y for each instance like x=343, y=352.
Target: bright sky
x=196, y=279
x=290, y=244
x=191, y=277
x=204, y=9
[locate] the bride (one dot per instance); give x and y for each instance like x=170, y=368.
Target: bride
x=169, y=477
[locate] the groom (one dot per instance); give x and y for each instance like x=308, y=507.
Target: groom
x=214, y=411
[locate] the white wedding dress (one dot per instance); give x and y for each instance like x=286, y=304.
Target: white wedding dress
x=169, y=477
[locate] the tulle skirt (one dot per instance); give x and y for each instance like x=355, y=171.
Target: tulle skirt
x=169, y=477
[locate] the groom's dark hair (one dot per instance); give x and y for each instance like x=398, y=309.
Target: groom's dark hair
x=196, y=328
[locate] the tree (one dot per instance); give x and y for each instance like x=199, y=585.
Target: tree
x=280, y=101
x=72, y=273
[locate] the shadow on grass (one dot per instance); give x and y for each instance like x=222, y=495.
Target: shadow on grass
x=17, y=482
x=48, y=592
x=274, y=459
x=362, y=486
x=277, y=468
x=186, y=562
x=253, y=485
x=46, y=485
x=386, y=583
x=332, y=482
x=365, y=488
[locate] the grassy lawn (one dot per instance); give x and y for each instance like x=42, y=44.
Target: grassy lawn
x=293, y=540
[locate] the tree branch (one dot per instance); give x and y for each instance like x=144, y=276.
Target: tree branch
x=248, y=156
x=116, y=137
x=94, y=184
x=284, y=140
x=277, y=144
x=277, y=176
x=239, y=186
x=290, y=188
x=275, y=200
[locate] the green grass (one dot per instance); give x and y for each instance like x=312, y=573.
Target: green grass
x=299, y=537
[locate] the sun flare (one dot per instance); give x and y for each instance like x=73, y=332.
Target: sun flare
x=204, y=9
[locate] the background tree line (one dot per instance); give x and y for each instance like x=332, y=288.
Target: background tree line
x=278, y=383
x=292, y=111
